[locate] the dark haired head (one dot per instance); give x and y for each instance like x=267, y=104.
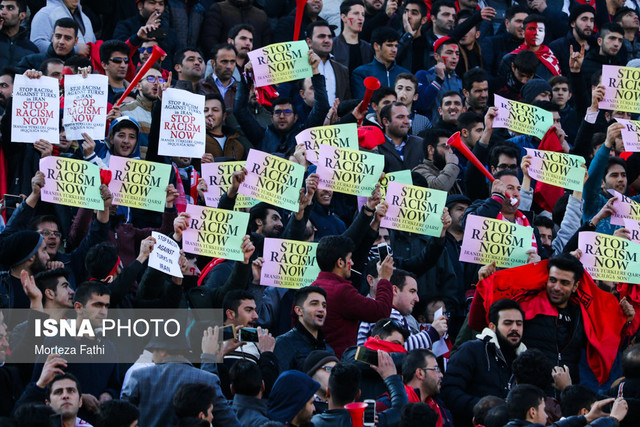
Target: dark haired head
x=567, y=262
x=318, y=23
x=381, y=93
x=331, y=249
x=631, y=362
x=303, y=293
x=469, y=119
x=382, y=35
x=69, y=23
x=86, y=290
x=49, y=280
x=502, y=149
x=100, y=260
x=235, y=30
x=483, y=406
x=522, y=398
x=344, y=383
x=415, y=359
x=385, y=327
x=514, y=10
x=506, y=172
x=109, y=47
x=474, y=75
x=179, y=56
x=60, y=377
x=534, y=17
x=233, y=299
x=218, y=97
x=435, y=8
x=346, y=5
x=502, y=305
x=418, y=414
x=246, y=378
x=533, y=367
x=526, y=62
x=191, y=399
x=116, y=413
x=575, y=398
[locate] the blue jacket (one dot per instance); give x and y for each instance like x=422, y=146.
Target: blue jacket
x=594, y=199
x=251, y=411
x=269, y=139
x=377, y=69
x=326, y=221
x=429, y=88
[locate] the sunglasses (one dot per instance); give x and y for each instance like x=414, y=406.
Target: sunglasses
x=152, y=79
x=145, y=49
x=119, y=59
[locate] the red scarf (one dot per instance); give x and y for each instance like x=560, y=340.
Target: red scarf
x=203, y=274
x=547, y=195
x=601, y=313
x=414, y=398
x=545, y=56
x=389, y=347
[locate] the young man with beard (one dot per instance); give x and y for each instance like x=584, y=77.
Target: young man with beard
x=534, y=34
x=580, y=34
x=14, y=39
x=422, y=379
x=292, y=348
x=440, y=168
x=483, y=366
x=241, y=37
x=401, y=150
x=140, y=109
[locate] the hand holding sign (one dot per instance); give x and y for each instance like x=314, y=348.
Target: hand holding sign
x=247, y=248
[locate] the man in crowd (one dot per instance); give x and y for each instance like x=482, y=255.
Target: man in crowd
x=348, y=48
x=401, y=150
x=14, y=39
x=64, y=39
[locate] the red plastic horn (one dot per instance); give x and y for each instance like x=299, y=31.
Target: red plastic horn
x=299, y=11
x=156, y=54
x=371, y=84
x=356, y=410
x=456, y=141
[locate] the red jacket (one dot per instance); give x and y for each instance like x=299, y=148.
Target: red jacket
x=346, y=308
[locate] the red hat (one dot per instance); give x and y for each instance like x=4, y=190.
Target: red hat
x=440, y=42
x=370, y=137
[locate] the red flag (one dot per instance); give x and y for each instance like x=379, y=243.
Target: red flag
x=602, y=317
x=546, y=195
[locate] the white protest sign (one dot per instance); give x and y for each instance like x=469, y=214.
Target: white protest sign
x=165, y=256
x=182, y=124
x=35, y=110
x=85, y=106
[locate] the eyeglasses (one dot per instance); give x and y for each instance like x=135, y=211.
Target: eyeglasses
x=47, y=233
x=503, y=166
x=119, y=59
x=145, y=49
x=287, y=113
x=327, y=368
x=153, y=79
x=435, y=369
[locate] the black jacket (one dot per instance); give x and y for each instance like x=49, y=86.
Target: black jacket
x=477, y=369
x=129, y=27
x=495, y=48
x=341, y=51
x=413, y=154
x=33, y=61
x=293, y=347
x=12, y=49
x=561, y=46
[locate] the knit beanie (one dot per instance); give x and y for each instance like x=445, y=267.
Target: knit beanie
x=578, y=10
x=533, y=88
x=289, y=395
x=316, y=359
x=19, y=247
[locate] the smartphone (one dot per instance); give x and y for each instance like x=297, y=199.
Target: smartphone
x=56, y=420
x=248, y=335
x=12, y=201
x=370, y=412
x=228, y=333
x=383, y=251
x=159, y=34
x=367, y=356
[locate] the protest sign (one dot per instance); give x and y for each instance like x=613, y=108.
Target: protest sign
x=622, y=89
x=486, y=240
x=630, y=134
x=634, y=229
x=71, y=182
x=349, y=171
x=624, y=207
x=182, y=125
x=280, y=62
x=218, y=177
x=522, y=118
x=215, y=232
x=165, y=255
x=35, y=110
x=85, y=106
x=609, y=258
x=342, y=136
x=403, y=177
x=289, y=263
x=559, y=169
x=139, y=184
x=273, y=180
x=414, y=209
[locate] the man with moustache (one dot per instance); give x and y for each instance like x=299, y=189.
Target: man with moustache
x=483, y=366
x=14, y=39
x=440, y=168
x=6, y=86
x=241, y=37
